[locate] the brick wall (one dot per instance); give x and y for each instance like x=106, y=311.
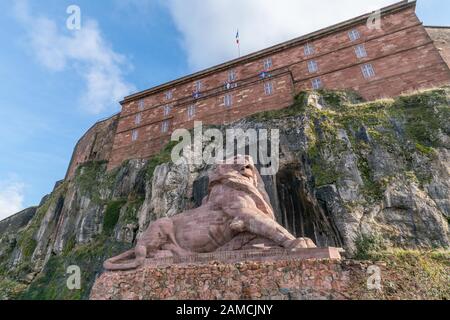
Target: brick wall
x=246, y=99
x=441, y=38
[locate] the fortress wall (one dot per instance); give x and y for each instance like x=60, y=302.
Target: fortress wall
x=247, y=100
x=95, y=145
x=441, y=38
x=402, y=54
x=418, y=68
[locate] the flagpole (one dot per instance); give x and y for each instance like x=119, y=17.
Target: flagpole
x=238, y=43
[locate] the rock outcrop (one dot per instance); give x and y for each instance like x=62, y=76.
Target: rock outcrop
x=351, y=174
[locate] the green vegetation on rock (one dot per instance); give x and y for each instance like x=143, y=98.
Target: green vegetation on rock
x=95, y=184
x=367, y=246
x=88, y=176
x=408, y=275
x=162, y=157
x=10, y=289
x=402, y=126
x=112, y=215
x=26, y=241
x=51, y=284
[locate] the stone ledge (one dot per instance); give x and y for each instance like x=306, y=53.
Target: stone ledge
x=248, y=255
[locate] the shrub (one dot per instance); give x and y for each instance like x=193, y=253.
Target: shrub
x=368, y=246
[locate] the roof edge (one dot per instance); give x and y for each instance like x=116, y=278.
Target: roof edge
x=436, y=27
x=316, y=34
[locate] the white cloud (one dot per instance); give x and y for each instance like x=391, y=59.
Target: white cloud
x=84, y=51
x=11, y=198
x=209, y=26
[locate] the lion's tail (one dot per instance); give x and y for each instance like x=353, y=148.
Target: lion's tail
x=113, y=264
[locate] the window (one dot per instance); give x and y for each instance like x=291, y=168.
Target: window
x=191, y=112
x=141, y=104
x=165, y=126
x=268, y=88
x=138, y=119
x=312, y=66
x=267, y=63
x=198, y=86
x=368, y=71
x=309, y=49
x=134, y=135
x=354, y=35
x=228, y=100
x=167, y=110
x=317, y=84
x=169, y=95
x=232, y=76
x=360, y=51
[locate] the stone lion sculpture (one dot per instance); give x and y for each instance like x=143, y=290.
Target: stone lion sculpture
x=235, y=215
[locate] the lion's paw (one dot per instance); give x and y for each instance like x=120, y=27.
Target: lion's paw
x=301, y=243
x=237, y=225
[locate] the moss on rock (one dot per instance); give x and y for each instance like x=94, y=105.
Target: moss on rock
x=162, y=157
x=112, y=214
x=402, y=127
x=10, y=289
x=51, y=283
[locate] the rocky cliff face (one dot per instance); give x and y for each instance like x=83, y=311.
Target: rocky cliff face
x=352, y=174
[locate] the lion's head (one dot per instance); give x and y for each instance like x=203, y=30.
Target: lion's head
x=240, y=167
x=241, y=173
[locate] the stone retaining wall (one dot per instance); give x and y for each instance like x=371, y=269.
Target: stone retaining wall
x=260, y=280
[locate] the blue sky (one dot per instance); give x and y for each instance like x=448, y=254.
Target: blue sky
x=57, y=82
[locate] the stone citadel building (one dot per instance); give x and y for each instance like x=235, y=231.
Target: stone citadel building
x=401, y=56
